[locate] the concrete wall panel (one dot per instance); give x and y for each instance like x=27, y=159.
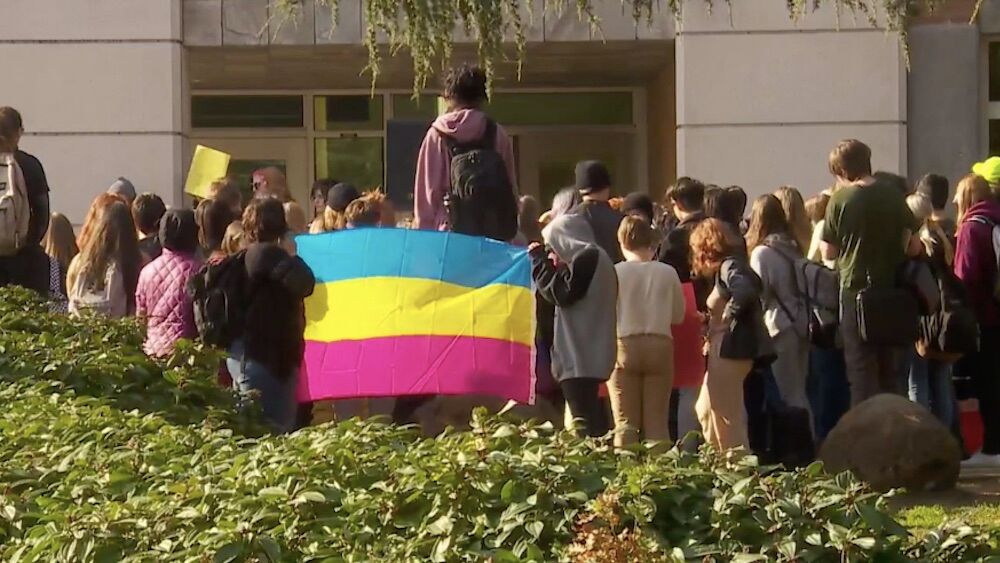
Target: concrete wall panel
x=762, y=158
x=764, y=78
x=244, y=22
x=945, y=117
x=81, y=166
x=348, y=30
x=756, y=16
x=95, y=87
x=203, y=22
x=297, y=30
x=65, y=20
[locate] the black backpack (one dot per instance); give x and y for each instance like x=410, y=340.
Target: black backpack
x=220, y=295
x=481, y=199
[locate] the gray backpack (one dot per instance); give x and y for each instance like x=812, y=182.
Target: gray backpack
x=15, y=212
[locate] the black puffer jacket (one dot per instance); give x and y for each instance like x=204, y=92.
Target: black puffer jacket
x=275, y=318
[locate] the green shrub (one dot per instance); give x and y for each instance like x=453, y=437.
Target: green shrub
x=108, y=456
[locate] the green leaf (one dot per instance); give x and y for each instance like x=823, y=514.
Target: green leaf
x=312, y=496
x=271, y=549
x=229, y=552
x=864, y=543
x=440, y=527
x=273, y=492
x=535, y=529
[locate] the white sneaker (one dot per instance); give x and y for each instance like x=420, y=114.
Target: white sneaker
x=981, y=460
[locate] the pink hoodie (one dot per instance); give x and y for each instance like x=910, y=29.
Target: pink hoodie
x=434, y=164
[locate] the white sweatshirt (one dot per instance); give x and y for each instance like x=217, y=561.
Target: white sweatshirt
x=650, y=299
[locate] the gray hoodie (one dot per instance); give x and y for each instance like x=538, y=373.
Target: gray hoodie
x=776, y=262
x=584, y=289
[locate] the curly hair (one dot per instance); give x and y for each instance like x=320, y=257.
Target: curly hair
x=465, y=86
x=709, y=247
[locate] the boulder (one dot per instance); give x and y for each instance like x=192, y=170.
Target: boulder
x=456, y=412
x=890, y=442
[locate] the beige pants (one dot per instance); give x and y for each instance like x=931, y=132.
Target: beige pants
x=720, y=406
x=639, y=388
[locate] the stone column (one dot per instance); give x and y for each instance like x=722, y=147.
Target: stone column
x=100, y=86
x=761, y=100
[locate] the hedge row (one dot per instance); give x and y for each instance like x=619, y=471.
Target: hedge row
x=109, y=457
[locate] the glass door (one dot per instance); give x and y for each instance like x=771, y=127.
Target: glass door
x=546, y=160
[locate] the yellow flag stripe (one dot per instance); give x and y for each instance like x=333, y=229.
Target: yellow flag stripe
x=380, y=307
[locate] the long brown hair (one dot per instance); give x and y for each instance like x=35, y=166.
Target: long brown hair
x=766, y=218
x=709, y=247
x=90, y=221
x=799, y=225
x=60, y=241
x=971, y=190
x=112, y=239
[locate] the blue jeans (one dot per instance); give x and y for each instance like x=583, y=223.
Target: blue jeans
x=276, y=394
x=828, y=389
x=930, y=385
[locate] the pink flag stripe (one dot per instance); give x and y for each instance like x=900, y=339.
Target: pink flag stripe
x=417, y=365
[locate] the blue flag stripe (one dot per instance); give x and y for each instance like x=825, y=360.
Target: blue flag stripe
x=457, y=259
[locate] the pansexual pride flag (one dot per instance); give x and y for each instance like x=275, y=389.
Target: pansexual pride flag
x=402, y=312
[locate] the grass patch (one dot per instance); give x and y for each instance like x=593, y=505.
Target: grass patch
x=927, y=517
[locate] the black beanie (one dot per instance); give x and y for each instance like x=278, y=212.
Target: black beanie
x=592, y=176
x=638, y=202
x=340, y=196
x=179, y=231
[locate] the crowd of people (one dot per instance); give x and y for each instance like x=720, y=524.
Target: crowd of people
x=789, y=301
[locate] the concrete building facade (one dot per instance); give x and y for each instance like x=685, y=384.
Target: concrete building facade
x=114, y=88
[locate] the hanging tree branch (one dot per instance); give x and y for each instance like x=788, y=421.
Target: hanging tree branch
x=425, y=28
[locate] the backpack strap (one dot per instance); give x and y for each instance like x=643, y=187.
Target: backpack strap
x=795, y=283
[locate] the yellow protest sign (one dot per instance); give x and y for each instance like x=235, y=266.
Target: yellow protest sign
x=207, y=166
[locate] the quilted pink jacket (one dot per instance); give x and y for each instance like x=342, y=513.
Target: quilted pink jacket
x=161, y=299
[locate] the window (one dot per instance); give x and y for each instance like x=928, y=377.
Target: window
x=247, y=111
x=562, y=108
x=357, y=160
x=348, y=113
x=424, y=108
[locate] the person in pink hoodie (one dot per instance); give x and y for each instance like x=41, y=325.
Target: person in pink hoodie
x=465, y=92
x=161, y=297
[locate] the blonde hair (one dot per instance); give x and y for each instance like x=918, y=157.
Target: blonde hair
x=234, y=239
x=799, y=225
x=295, y=216
x=330, y=220
x=60, y=241
x=971, y=190
x=816, y=207
x=766, y=218
x=920, y=206
x=635, y=233
x=97, y=206
x=366, y=211
x=930, y=232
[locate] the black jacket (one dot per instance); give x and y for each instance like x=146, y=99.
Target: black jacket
x=604, y=221
x=675, y=250
x=747, y=337
x=275, y=318
x=563, y=285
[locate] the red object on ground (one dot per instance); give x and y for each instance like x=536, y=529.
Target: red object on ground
x=971, y=425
